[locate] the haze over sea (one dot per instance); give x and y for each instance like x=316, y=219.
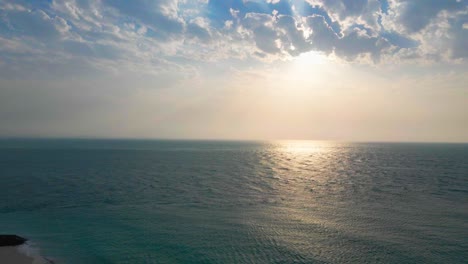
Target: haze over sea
x=150, y=201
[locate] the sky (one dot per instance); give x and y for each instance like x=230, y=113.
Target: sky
x=361, y=70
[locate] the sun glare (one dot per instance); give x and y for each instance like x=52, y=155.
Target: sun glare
x=303, y=146
x=306, y=65
x=311, y=57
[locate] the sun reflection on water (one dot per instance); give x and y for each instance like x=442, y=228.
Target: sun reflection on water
x=303, y=146
x=308, y=179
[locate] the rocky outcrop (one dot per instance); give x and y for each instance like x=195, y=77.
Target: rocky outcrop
x=11, y=240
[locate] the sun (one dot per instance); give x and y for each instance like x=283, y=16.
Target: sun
x=310, y=58
x=306, y=68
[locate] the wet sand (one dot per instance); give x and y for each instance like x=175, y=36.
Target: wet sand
x=11, y=255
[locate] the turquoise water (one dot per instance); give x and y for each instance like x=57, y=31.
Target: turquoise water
x=130, y=201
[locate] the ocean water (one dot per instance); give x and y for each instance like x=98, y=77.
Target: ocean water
x=136, y=201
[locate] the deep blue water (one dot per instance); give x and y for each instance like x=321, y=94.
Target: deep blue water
x=135, y=201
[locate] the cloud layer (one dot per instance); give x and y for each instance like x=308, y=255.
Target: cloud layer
x=69, y=36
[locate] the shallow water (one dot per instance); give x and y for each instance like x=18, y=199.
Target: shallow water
x=136, y=201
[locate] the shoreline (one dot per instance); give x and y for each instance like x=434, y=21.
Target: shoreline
x=21, y=255
x=13, y=255
x=15, y=250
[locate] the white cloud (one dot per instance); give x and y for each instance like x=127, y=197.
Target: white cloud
x=157, y=34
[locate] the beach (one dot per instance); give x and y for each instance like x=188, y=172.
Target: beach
x=12, y=255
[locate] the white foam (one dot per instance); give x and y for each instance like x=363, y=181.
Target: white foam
x=31, y=251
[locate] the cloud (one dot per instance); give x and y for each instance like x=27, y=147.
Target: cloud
x=357, y=42
x=415, y=15
x=437, y=27
x=293, y=36
x=35, y=23
x=163, y=34
x=323, y=37
x=161, y=15
x=261, y=27
x=459, y=36
x=199, y=28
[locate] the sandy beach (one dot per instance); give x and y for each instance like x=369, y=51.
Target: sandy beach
x=12, y=255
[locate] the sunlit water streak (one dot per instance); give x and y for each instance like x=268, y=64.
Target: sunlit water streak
x=92, y=201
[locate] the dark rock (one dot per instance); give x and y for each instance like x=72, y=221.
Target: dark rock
x=11, y=240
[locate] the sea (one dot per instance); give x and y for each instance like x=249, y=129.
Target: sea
x=167, y=201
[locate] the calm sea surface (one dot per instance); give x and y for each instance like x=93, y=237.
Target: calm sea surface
x=110, y=201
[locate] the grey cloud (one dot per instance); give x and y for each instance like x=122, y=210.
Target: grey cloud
x=365, y=10
x=263, y=32
x=118, y=32
x=265, y=39
x=356, y=43
x=417, y=14
x=292, y=35
x=352, y=44
x=459, y=35
x=276, y=34
x=346, y=8
x=196, y=29
x=355, y=7
x=323, y=37
x=151, y=14
x=405, y=19
x=37, y=24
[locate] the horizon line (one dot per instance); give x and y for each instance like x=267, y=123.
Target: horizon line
x=217, y=139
